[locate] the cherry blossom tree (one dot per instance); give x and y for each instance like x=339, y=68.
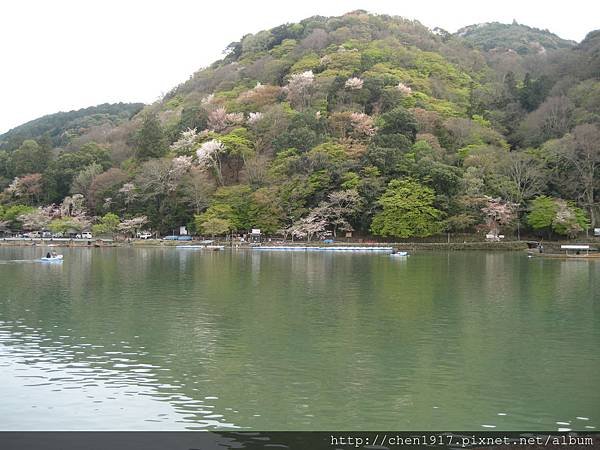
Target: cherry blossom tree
x=354, y=84
x=129, y=193
x=73, y=206
x=207, y=99
x=566, y=220
x=337, y=211
x=131, y=226
x=306, y=227
x=209, y=156
x=187, y=143
x=254, y=117
x=498, y=213
x=362, y=124
x=300, y=88
x=406, y=90
x=27, y=187
x=219, y=119
x=38, y=219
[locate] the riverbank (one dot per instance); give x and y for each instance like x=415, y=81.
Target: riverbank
x=515, y=246
x=553, y=246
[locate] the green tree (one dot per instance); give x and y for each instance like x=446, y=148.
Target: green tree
x=150, y=139
x=554, y=214
x=407, y=211
x=213, y=226
x=233, y=203
x=216, y=211
x=60, y=173
x=62, y=225
x=399, y=121
x=12, y=213
x=265, y=213
x=30, y=157
x=109, y=223
x=542, y=211
x=238, y=148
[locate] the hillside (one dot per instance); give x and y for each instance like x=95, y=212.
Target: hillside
x=513, y=37
x=362, y=123
x=61, y=127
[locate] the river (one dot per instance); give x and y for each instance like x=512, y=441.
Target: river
x=168, y=339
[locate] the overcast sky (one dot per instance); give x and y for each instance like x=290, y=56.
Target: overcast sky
x=61, y=55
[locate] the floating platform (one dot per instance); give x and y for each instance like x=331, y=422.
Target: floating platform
x=564, y=256
x=298, y=248
x=201, y=247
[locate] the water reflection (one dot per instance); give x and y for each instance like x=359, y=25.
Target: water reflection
x=165, y=339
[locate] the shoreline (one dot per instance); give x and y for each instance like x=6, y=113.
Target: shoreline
x=511, y=245
x=550, y=246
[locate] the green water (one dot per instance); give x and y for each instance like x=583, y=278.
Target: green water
x=172, y=339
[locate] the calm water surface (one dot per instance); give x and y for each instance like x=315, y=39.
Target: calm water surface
x=172, y=339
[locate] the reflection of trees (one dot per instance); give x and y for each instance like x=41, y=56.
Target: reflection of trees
x=312, y=340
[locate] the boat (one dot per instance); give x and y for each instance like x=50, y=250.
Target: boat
x=399, y=254
x=201, y=247
x=56, y=258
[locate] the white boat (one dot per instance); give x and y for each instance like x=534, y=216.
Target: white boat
x=201, y=247
x=399, y=254
x=57, y=258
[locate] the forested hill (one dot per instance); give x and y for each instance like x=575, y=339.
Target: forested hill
x=60, y=128
x=365, y=123
x=512, y=37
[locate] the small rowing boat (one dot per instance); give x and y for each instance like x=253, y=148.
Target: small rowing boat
x=399, y=254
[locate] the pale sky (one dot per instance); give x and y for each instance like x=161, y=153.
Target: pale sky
x=61, y=55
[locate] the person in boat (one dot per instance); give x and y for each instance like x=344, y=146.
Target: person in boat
x=54, y=254
x=48, y=255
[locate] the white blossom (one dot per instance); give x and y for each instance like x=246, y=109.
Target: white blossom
x=208, y=99
x=498, y=213
x=187, y=141
x=299, y=88
x=15, y=188
x=73, y=206
x=220, y=119
x=209, y=156
x=131, y=226
x=325, y=60
x=354, y=84
x=128, y=191
x=406, y=90
x=254, y=117
x=181, y=164
x=302, y=79
x=362, y=124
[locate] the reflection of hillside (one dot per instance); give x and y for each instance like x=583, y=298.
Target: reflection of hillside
x=313, y=341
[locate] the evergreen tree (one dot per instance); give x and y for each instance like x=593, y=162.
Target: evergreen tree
x=151, y=142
